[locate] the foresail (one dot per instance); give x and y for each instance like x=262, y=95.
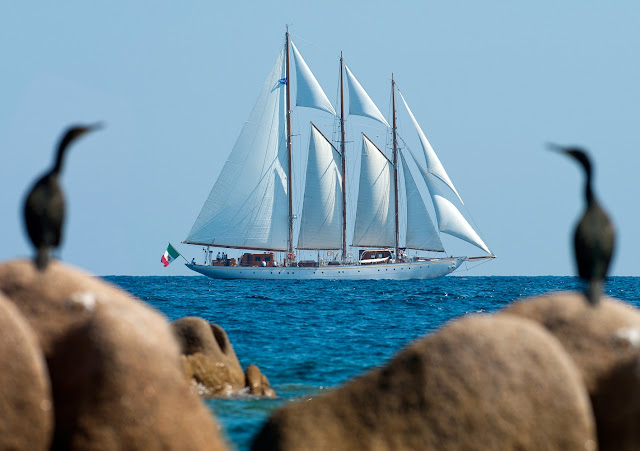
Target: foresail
x=433, y=162
x=375, y=220
x=450, y=220
x=321, y=220
x=421, y=233
x=360, y=104
x=248, y=204
x=309, y=93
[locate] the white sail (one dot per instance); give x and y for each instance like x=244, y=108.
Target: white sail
x=450, y=220
x=248, y=204
x=375, y=212
x=421, y=233
x=433, y=162
x=321, y=220
x=360, y=103
x=308, y=90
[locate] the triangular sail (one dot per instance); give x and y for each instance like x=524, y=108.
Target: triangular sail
x=248, y=204
x=321, y=220
x=375, y=215
x=433, y=162
x=421, y=233
x=450, y=220
x=308, y=90
x=360, y=104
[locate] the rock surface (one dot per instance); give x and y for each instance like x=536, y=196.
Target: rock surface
x=481, y=382
x=258, y=383
x=604, y=341
x=114, y=364
x=211, y=378
x=211, y=363
x=208, y=351
x=26, y=409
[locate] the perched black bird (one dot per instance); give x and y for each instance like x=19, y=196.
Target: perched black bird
x=44, y=206
x=594, y=235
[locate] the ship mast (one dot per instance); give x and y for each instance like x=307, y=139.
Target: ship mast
x=395, y=163
x=289, y=169
x=344, y=171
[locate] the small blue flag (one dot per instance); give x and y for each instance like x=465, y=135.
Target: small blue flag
x=283, y=81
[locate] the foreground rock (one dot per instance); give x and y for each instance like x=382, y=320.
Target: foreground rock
x=604, y=341
x=26, y=418
x=482, y=382
x=114, y=364
x=211, y=363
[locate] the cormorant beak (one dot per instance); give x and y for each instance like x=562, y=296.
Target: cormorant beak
x=96, y=126
x=556, y=148
x=574, y=152
x=80, y=130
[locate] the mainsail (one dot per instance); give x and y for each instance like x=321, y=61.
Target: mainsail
x=321, y=220
x=248, y=205
x=374, y=224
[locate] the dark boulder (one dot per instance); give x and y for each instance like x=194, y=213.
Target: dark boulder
x=481, y=382
x=26, y=418
x=114, y=364
x=604, y=342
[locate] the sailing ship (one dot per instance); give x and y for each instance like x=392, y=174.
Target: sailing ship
x=251, y=205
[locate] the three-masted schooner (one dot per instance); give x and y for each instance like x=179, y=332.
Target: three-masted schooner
x=250, y=206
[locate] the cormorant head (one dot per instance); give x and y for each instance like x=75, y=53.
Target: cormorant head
x=76, y=131
x=71, y=134
x=579, y=154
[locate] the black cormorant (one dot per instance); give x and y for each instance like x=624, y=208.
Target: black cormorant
x=594, y=235
x=44, y=206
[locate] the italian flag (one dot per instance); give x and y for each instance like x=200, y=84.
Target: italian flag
x=169, y=255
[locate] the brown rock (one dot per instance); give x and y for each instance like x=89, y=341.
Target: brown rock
x=604, y=341
x=114, y=364
x=482, y=382
x=258, y=383
x=210, y=341
x=213, y=376
x=26, y=418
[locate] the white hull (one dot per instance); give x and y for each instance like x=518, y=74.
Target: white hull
x=431, y=269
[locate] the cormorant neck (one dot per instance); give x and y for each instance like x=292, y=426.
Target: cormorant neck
x=62, y=147
x=588, y=188
x=588, y=194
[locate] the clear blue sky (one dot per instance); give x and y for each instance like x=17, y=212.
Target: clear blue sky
x=491, y=82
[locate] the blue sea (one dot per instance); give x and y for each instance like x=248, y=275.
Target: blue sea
x=310, y=336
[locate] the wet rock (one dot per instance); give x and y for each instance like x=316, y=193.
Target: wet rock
x=209, y=353
x=258, y=383
x=211, y=363
x=212, y=376
x=604, y=342
x=26, y=418
x=114, y=364
x=482, y=382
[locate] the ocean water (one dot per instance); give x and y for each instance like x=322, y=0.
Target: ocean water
x=310, y=336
